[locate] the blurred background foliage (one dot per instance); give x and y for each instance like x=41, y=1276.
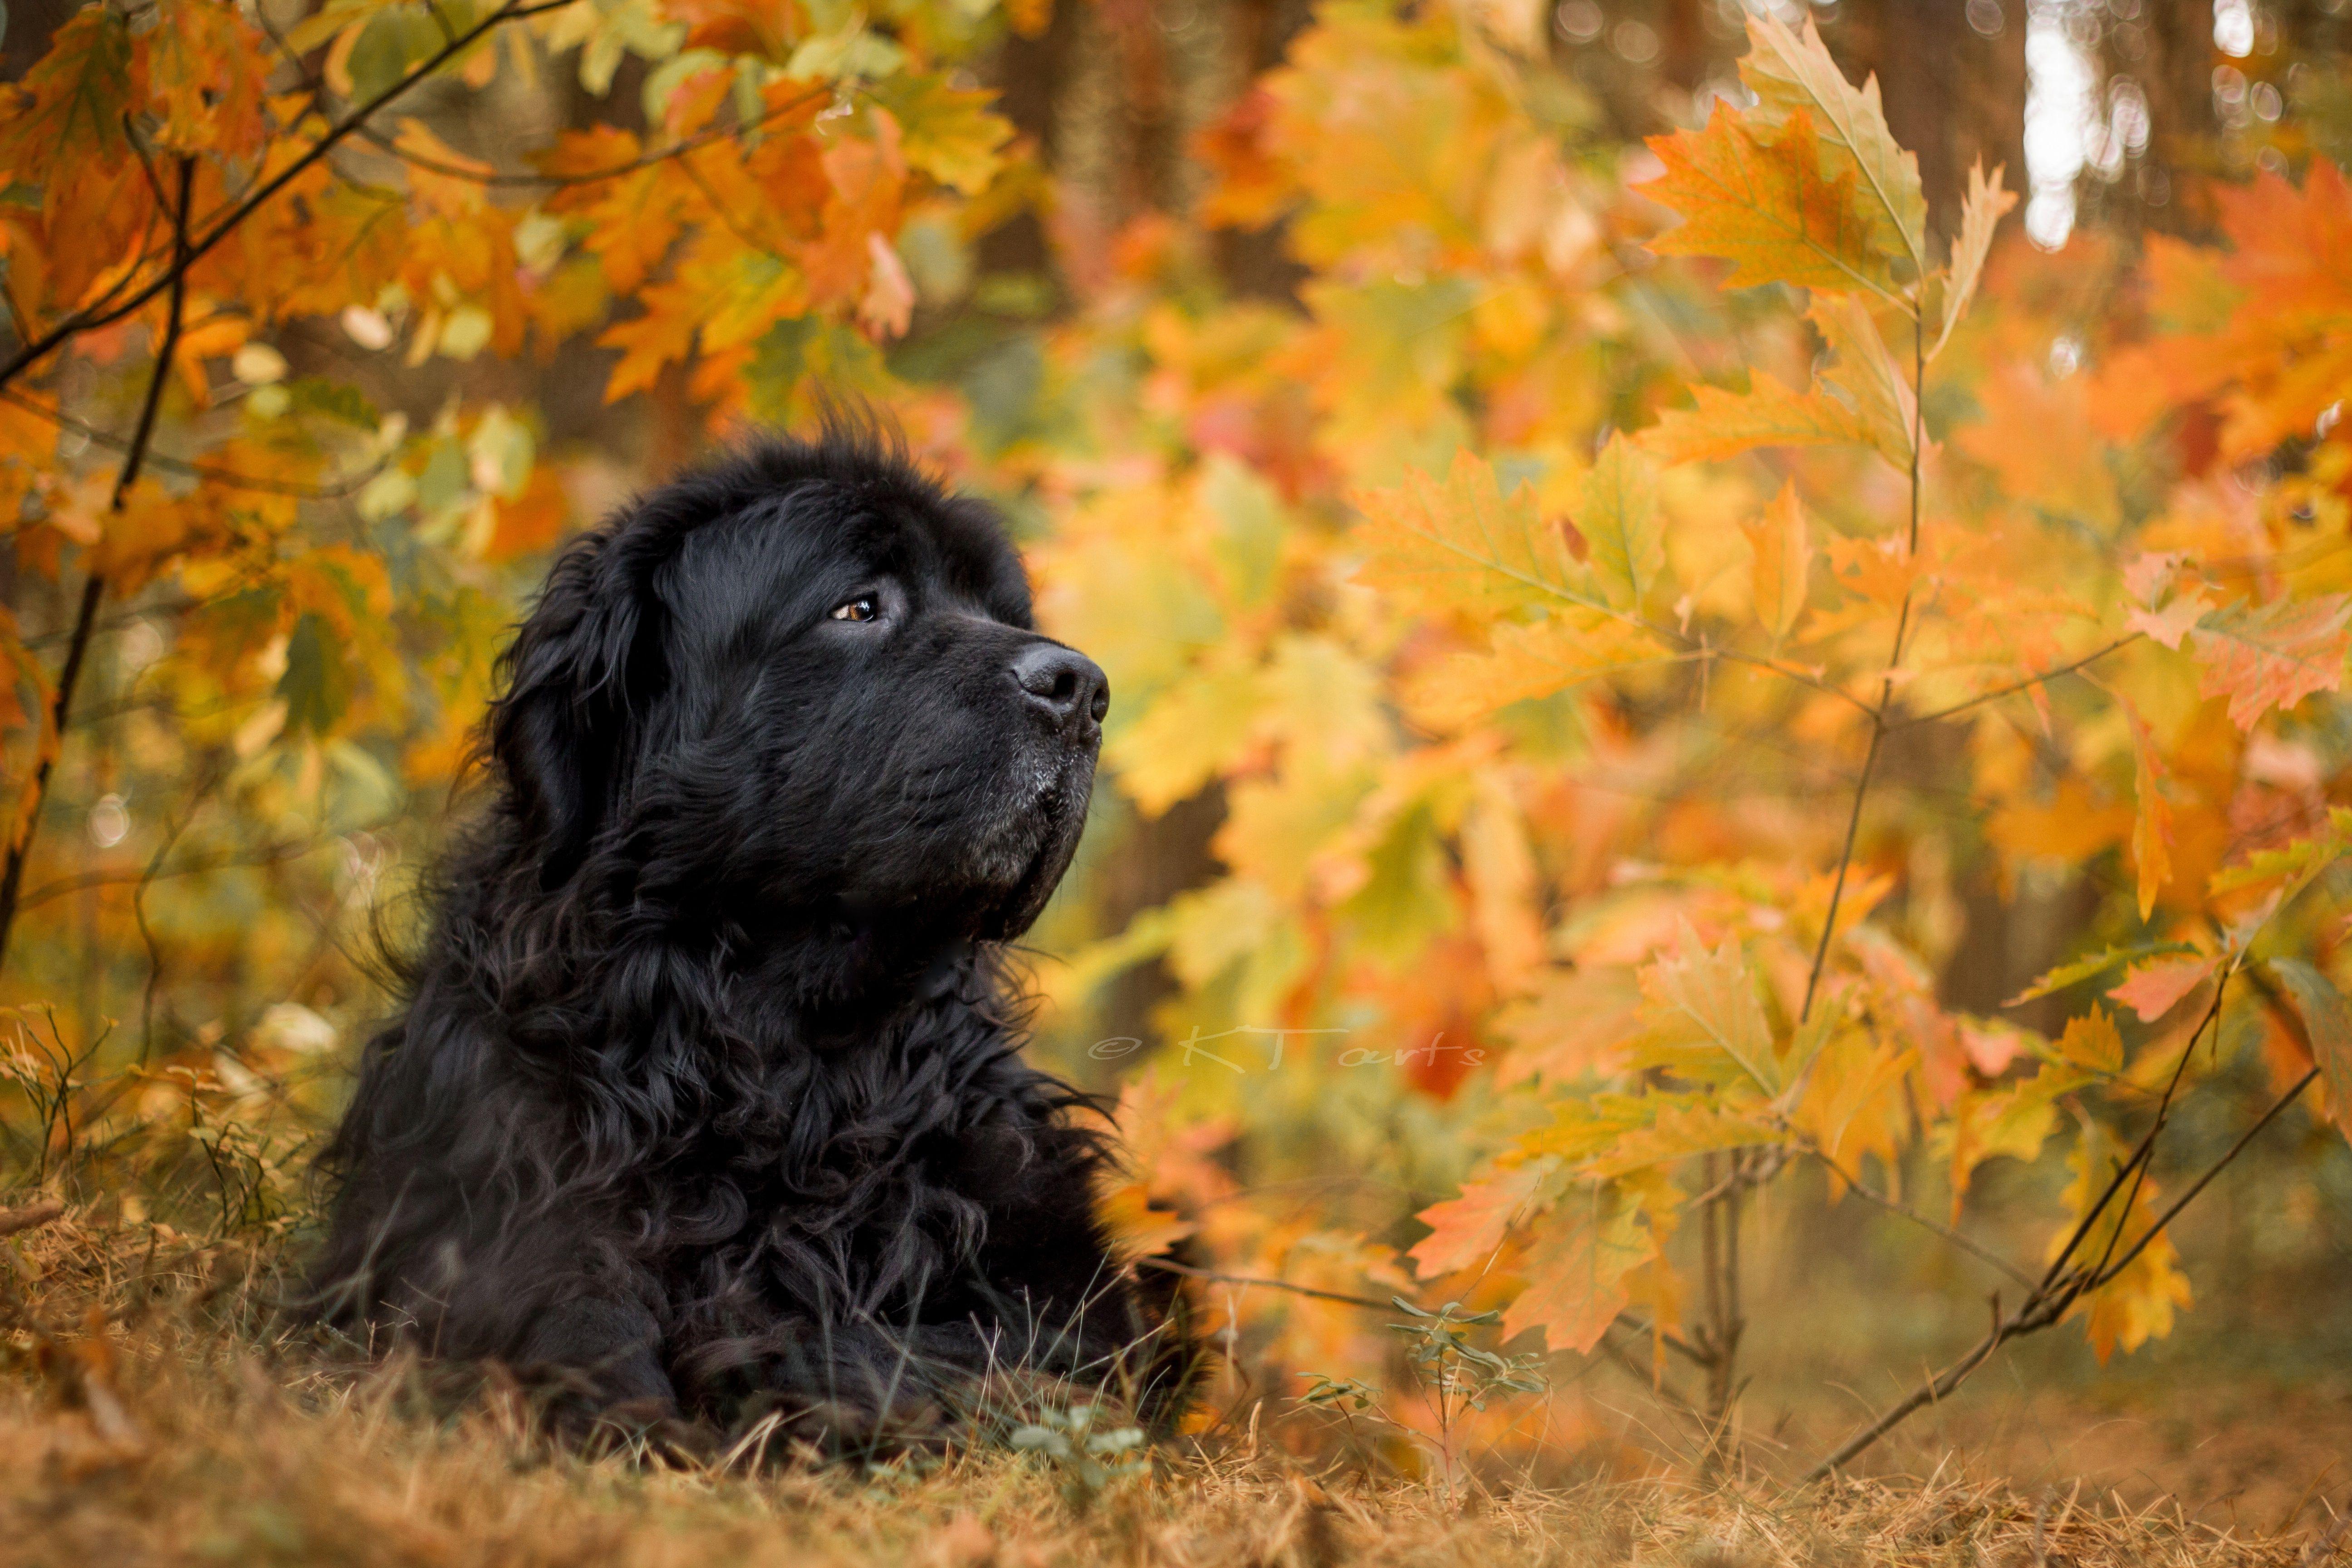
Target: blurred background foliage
x=1181, y=284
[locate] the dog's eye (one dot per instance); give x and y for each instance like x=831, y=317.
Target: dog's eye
x=864, y=607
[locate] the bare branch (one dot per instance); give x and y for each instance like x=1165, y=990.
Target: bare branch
x=1973, y=1248
x=1980, y=699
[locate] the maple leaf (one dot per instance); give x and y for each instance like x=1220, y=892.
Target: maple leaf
x=1792, y=73
x=1462, y=545
x=1783, y=562
x=2329, y=1027
x=1980, y=214
x=1764, y=206
x=2152, y=990
x=1465, y=1231
x=1575, y=1270
x=2273, y=656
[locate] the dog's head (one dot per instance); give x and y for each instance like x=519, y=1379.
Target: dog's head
x=802, y=686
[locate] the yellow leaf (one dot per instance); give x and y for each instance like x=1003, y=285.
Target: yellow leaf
x=1527, y=660
x=2151, y=840
x=1980, y=214
x=1784, y=558
x=1792, y=74
x=1707, y=1000
x=1462, y=545
x=1860, y=367
x=2093, y=1041
x=1725, y=424
x=1189, y=733
x=1620, y=521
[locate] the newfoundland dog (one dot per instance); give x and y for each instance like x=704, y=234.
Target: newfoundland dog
x=707, y=1099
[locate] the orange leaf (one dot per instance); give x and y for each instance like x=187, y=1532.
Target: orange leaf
x=2152, y=990
x=1465, y=1231
x=1764, y=206
x=2274, y=655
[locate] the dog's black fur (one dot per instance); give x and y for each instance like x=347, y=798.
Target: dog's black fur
x=706, y=1098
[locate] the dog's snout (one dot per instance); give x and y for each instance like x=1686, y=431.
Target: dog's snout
x=1068, y=685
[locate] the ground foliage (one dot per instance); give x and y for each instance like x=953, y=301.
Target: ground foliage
x=1712, y=677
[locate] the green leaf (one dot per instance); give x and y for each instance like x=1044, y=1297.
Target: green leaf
x=317, y=685
x=1620, y=521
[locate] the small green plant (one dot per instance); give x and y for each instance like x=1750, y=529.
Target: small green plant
x=1455, y=1375
x=1089, y=1460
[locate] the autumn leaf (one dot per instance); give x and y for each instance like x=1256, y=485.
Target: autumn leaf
x=1465, y=1231
x=2081, y=969
x=949, y=132
x=2152, y=990
x=1792, y=73
x=1619, y=519
x=1725, y=424
x=1707, y=1000
x=1763, y=206
x=2273, y=656
x=1462, y=545
x=2093, y=1042
x=1980, y=214
x=1575, y=1270
x=1528, y=660
x=2151, y=840
x=2321, y=1007
x=1860, y=367
x=1780, y=574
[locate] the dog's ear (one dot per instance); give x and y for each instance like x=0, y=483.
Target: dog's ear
x=576, y=680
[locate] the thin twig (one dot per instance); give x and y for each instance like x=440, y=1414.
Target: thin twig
x=1878, y=722
x=1974, y=1248
x=90, y=320
x=2015, y=687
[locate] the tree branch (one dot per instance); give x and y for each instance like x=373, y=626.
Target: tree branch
x=94, y=588
x=695, y=142
x=2014, y=687
x=350, y=124
x=2062, y=1286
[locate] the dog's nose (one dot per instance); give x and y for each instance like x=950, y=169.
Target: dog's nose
x=1063, y=681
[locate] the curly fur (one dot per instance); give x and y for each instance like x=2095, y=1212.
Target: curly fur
x=707, y=1097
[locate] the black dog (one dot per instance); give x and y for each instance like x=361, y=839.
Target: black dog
x=706, y=1100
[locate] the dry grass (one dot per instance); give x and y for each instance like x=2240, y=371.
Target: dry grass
x=162, y=1428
